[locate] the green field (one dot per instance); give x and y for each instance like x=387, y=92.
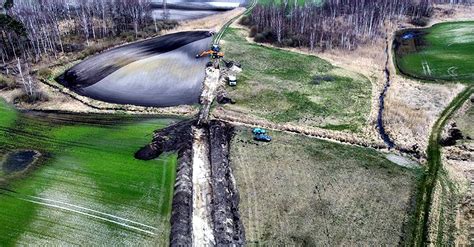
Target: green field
x=443, y=52
x=288, y=87
x=300, y=191
x=86, y=189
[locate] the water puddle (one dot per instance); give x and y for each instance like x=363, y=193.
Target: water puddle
x=18, y=161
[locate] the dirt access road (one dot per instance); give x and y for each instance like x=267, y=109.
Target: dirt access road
x=421, y=234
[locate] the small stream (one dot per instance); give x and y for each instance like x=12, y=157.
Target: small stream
x=380, y=126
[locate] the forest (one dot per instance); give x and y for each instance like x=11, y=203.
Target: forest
x=335, y=23
x=32, y=29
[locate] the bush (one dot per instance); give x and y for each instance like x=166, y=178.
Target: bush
x=44, y=73
x=245, y=20
x=7, y=83
x=420, y=21
x=253, y=31
x=318, y=79
x=259, y=37
x=266, y=36
x=289, y=42
x=31, y=99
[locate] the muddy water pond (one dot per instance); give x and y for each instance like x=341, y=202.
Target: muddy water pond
x=86, y=188
x=162, y=71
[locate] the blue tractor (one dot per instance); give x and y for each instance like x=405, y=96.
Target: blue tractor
x=260, y=134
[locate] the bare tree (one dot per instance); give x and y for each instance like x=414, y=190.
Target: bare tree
x=335, y=23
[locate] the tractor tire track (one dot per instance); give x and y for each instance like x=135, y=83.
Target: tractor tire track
x=126, y=223
x=254, y=223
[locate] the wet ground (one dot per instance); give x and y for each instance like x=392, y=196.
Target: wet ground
x=19, y=160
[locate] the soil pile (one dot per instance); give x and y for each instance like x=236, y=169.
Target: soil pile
x=227, y=226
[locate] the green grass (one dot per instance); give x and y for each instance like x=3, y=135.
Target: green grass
x=88, y=163
x=447, y=49
x=278, y=85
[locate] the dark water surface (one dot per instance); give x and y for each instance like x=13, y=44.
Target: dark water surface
x=19, y=161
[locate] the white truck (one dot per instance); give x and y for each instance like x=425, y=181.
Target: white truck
x=232, y=80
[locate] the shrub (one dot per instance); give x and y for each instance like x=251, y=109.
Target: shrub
x=30, y=99
x=253, y=31
x=7, y=83
x=245, y=20
x=318, y=79
x=259, y=37
x=44, y=73
x=266, y=36
x=420, y=21
x=288, y=42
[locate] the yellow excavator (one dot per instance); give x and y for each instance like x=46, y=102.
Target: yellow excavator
x=214, y=53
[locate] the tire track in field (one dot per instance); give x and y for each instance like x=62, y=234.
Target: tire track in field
x=252, y=202
x=125, y=223
x=161, y=199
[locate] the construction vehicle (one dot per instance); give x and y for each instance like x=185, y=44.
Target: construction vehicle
x=232, y=80
x=260, y=134
x=214, y=52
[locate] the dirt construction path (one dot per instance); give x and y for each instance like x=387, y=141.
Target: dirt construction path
x=202, y=226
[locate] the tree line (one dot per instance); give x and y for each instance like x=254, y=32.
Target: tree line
x=334, y=23
x=31, y=29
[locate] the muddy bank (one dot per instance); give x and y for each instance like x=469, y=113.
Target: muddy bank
x=218, y=201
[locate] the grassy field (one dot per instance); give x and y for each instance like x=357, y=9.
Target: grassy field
x=86, y=189
x=299, y=191
x=288, y=87
x=443, y=52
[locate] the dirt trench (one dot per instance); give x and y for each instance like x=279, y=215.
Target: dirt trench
x=206, y=200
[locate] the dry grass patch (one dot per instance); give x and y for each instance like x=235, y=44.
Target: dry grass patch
x=411, y=108
x=302, y=191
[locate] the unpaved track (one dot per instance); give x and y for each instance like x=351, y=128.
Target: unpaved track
x=209, y=90
x=425, y=201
